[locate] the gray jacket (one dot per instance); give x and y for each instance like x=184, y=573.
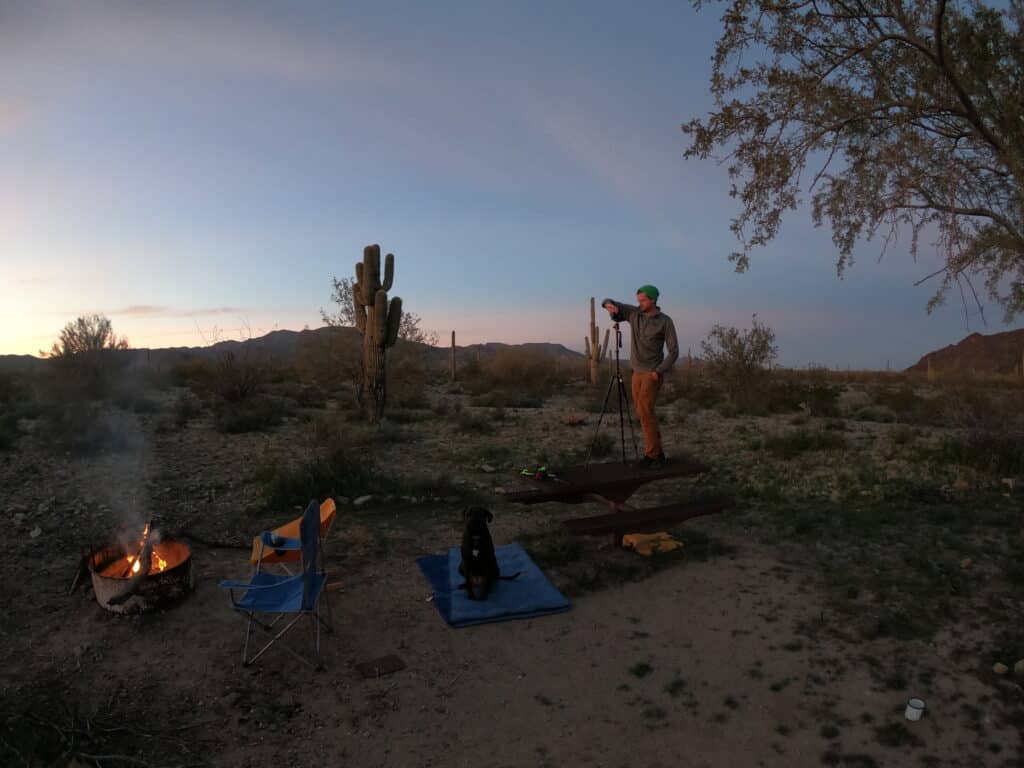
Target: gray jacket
x=650, y=334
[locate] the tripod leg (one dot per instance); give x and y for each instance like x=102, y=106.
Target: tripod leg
x=632, y=431
x=604, y=407
x=623, y=409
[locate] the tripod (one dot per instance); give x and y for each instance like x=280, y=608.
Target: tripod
x=623, y=399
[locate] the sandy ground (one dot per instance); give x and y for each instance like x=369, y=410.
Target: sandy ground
x=702, y=664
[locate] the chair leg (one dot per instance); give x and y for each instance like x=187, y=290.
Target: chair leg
x=277, y=637
x=248, y=632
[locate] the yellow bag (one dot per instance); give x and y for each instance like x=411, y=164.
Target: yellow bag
x=647, y=544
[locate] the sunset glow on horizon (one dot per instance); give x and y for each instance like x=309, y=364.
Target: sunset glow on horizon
x=199, y=172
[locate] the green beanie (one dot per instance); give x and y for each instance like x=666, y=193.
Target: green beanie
x=650, y=290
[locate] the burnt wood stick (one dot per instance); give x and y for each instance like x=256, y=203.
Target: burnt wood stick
x=135, y=581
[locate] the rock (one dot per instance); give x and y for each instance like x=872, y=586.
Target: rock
x=35, y=533
x=363, y=500
x=1018, y=669
x=1000, y=669
x=43, y=508
x=487, y=468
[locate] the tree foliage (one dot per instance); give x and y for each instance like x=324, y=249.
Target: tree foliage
x=897, y=115
x=739, y=360
x=89, y=335
x=409, y=329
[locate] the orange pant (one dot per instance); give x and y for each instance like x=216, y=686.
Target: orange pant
x=645, y=394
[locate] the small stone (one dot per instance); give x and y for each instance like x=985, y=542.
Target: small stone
x=1000, y=669
x=363, y=500
x=35, y=533
x=1018, y=669
x=487, y=468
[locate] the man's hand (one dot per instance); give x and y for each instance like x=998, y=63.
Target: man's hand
x=656, y=376
x=612, y=309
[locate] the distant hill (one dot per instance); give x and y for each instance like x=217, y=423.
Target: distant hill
x=20, y=363
x=994, y=353
x=282, y=346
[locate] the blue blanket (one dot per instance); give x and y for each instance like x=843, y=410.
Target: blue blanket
x=531, y=594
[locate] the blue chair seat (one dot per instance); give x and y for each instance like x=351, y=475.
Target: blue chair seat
x=273, y=593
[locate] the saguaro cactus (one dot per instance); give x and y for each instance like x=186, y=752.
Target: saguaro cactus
x=453, y=356
x=595, y=351
x=378, y=321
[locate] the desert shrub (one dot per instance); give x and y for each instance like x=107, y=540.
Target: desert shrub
x=902, y=400
x=237, y=377
x=128, y=394
x=791, y=444
x=874, y=413
x=14, y=396
x=336, y=469
x=739, y=361
x=471, y=424
x=8, y=431
x=89, y=353
x=254, y=414
x=79, y=427
x=505, y=399
x=407, y=415
x=998, y=453
x=696, y=388
x=186, y=407
x=303, y=395
x=515, y=376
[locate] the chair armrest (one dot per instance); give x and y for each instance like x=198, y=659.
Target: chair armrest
x=275, y=585
x=280, y=542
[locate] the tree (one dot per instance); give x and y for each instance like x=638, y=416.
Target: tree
x=89, y=335
x=908, y=112
x=85, y=346
x=410, y=328
x=740, y=360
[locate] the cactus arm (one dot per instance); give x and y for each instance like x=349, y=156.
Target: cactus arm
x=389, y=271
x=394, y=321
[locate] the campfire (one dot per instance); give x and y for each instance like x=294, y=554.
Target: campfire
x=147, y=574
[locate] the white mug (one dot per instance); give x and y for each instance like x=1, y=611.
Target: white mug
x=915, y=708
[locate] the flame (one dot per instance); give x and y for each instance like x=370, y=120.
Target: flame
x=156, y=563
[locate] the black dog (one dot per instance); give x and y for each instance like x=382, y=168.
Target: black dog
x=479, y=566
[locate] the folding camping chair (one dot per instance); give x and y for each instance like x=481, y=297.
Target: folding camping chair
x=286, y=595
x=267, y=554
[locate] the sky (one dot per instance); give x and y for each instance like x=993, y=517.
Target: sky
x=200, y=171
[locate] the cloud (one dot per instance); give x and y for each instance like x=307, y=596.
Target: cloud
x=180, y=36
x=151, y=310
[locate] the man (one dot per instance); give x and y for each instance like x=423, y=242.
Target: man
x=651, y=331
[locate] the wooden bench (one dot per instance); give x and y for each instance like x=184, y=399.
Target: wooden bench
x=627, y=520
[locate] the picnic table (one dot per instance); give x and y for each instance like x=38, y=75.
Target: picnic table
x=612, y=484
